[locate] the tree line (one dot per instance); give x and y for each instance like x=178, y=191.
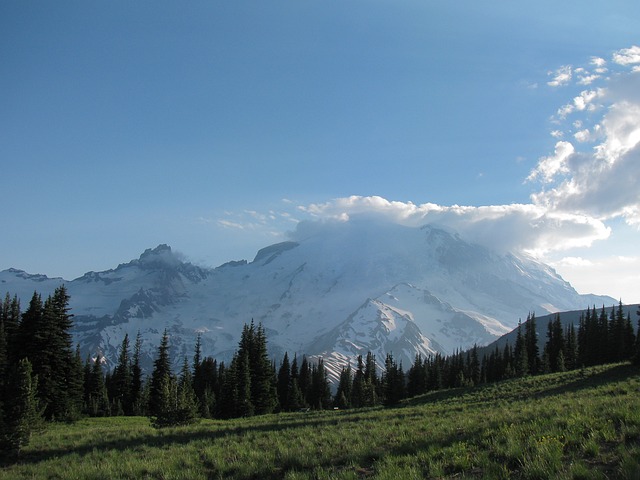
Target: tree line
x=43, y=378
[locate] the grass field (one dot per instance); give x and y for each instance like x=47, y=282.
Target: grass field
x=581, y=424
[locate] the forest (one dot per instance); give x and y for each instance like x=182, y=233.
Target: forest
x=44, y=379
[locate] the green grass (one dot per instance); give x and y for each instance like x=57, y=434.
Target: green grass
x=570, y=425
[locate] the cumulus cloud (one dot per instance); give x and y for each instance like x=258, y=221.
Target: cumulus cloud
x=516, y=227
x=562, y=76
x=549, y=167
x=627, y=56
x=600, y=182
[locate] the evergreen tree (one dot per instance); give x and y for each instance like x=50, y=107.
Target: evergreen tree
x=284, y=383
x=393, y=382
x=304, y=380
x=97, y=398
x=121, y=380
x=531, y=342
x=136, y=401
x=417, y=377
x=520, y=354
x=161, y=373
x=22, y=415
x=358, y=388
x=263, y=387
x=296, y=398
x=571, y=348
x=343, y=393
x=226, y=406
x=320, y=392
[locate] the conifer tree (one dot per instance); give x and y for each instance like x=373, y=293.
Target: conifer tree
x=417, y=377
x=571, y=348
x=97, y=398
x=263, y=387
x=159, y=376
x=226, y=406
x=120, y=384
x=358, y=389
x=22, y=415
x=531, y=342
x=343, y=393
x=393, y=382
x=320, y=392
x=520, y=354
x=304, y=380
x=296, y=398
x=284, y=383
x=136, y=401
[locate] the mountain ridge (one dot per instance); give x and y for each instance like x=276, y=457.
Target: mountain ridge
x=336, y=291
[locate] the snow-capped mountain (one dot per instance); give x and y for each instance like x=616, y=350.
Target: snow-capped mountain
x=336, y=292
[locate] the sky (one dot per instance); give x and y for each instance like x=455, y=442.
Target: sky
x=217, y=126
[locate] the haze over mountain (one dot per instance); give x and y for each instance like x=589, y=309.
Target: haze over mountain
x=336, y=290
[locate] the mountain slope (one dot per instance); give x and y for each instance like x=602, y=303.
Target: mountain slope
x=337, y=290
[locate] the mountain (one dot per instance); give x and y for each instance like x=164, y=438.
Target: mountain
x=338, y=290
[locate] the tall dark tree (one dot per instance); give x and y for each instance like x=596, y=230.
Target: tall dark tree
x=531, y=342
x=97, y=398
x=284, y=383
x=120, y=384
x=393, y=384
x=320, y=394
x=160, y=375
x=343, y=394
x=22, y=415
x=417, y=377
x=520, y=354
x=137, y=403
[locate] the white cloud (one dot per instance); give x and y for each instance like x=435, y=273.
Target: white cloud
x=557, y=134
x=562, y=76
x=627, y=56
x=583, y=135
x=611, y=275
x=549, y=167
x=598, y=62
x=516, y=227
x=587, y=79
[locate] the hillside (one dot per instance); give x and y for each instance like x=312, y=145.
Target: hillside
x=582, y=424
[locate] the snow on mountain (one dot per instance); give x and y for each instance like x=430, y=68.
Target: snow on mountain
x=338, y=289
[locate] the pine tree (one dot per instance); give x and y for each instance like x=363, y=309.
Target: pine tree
x=161, y=373
x=120, y=391
x=320, y=392
x=343, y=393
x=296, y=398
x=263, y=388
x=22, y=415
x=393, y=382
x=226, y=406
x=531, y=342
x=304, y=380
x=136, y=393
x=358, y=389
x=98, y=400
x=520, y=354
x=284, y=383
x=417, y=377
x=571, y=348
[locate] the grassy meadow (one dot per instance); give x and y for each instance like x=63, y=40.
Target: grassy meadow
x=580, y=424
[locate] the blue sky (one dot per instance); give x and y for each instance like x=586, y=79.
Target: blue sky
x=216, y=126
